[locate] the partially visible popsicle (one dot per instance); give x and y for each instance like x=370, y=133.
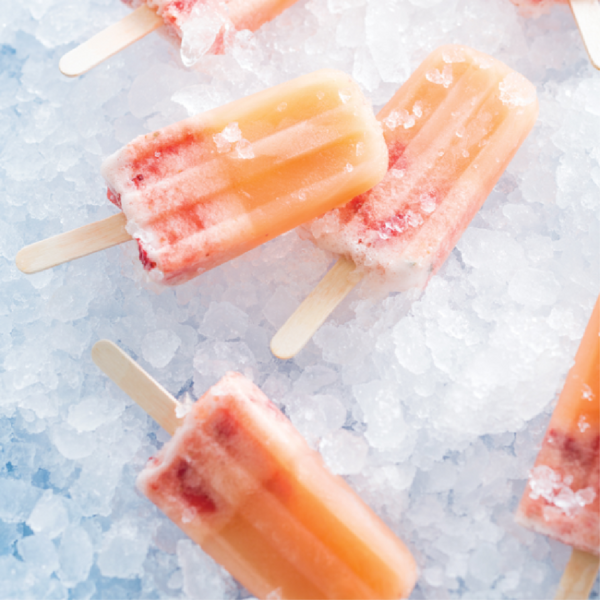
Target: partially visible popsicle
x=203, y=24
x=451, y=130
x=536, y=8
x=562, y=497
x=209, y=188
x=241, y=482
x=587, y=17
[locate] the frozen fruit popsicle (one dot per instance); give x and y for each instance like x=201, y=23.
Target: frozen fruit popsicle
x=535, y=8
x=587, y=17
x=243, y=484
x=562, y=497
x=203, y=24
x=451, y=130
x=207, y=189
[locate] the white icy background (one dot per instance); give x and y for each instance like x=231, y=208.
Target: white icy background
x=432, y=407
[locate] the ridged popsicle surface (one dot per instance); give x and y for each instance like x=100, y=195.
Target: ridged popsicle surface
x=209, y=188
x=243, y=484
x=451, y=130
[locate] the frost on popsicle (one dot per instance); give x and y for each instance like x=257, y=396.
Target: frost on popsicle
x=515, y=91
x=442, y=78
x=230, y=137
x=557, y=492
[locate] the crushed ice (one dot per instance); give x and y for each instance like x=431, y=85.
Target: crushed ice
x=200, y=31
x=555, y=489
x=232, y=136
x=515, y=90
x=432, y=406
x=399, y=117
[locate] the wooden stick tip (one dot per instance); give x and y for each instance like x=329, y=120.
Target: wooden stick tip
x=24, y=262
x=101, y=348
x=281, y=349
x=70, y=64
x=100, y=345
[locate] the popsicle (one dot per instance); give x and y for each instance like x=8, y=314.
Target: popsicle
x=204, y=23
x=536, y=8
x=451, y=130
x=587, y=17
x=562, y=497
x=241, y=482
x=209, y=188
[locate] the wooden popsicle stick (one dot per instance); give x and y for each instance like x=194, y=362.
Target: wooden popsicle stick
x=318, y=305
x=587, y=17
x=579, y=576
x=135, y=382
x=77, y=243
x=106, y=43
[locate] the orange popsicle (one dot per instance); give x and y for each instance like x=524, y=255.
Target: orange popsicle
x=451, y=131
x=562, y=498
x=209, y=188
x=240, y=481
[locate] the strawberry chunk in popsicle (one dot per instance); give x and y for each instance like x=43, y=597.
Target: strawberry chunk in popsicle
x=242, y=483
x=451, y=130
x=207, y=189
